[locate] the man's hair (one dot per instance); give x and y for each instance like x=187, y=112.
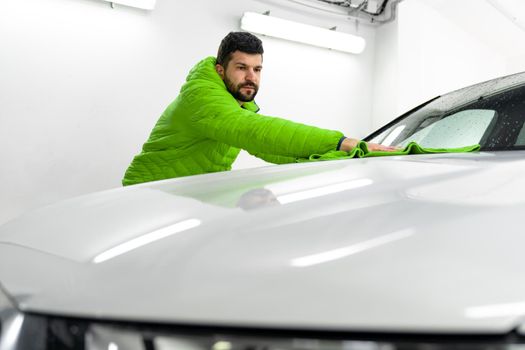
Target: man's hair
x=238, y=41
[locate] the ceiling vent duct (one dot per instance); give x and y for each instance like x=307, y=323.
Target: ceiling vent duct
x=374, y=12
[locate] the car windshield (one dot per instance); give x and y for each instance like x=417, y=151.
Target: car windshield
x=491, y=114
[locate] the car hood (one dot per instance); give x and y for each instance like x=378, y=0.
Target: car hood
x=426, y=243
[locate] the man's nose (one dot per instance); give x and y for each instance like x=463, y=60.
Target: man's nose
x=250, y=75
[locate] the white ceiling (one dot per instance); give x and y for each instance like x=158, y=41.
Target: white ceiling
x=498, y=23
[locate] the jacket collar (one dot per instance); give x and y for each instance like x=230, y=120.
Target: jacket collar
x=251, y=106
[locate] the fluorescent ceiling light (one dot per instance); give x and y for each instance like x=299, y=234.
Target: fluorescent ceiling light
x=141, y=4
x=303, y=33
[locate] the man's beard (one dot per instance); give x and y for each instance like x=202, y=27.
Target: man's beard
x=238, y=94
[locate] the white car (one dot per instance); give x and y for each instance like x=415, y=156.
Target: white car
x=414, y=252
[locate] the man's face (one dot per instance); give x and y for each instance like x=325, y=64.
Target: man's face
x=242, y=75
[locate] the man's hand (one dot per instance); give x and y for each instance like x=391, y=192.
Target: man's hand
x=378, y=147
x=349, y=143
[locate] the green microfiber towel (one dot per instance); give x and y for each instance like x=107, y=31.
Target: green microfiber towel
x=361, y=151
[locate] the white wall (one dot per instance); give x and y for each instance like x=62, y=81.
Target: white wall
x=386, y=74
x=436, y=47
x=81, y=86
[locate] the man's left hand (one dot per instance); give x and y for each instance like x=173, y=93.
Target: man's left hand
x=372, y=147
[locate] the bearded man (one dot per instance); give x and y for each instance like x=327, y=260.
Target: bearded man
x=215, y=116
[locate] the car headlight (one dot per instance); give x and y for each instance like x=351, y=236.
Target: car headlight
x=10, y=322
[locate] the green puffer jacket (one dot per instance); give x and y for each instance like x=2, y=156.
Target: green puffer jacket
x=203, y=130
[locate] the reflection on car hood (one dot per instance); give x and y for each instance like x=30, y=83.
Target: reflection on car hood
x=421, y=243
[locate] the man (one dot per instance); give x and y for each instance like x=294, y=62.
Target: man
x=215, y=116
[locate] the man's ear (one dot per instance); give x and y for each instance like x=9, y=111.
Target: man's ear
x=220, y=70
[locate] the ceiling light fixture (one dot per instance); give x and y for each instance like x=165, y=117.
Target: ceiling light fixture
x=141, y=4
x=302, y=33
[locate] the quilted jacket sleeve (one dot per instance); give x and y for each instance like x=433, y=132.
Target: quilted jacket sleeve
x=275, y=159
x=217, y=115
